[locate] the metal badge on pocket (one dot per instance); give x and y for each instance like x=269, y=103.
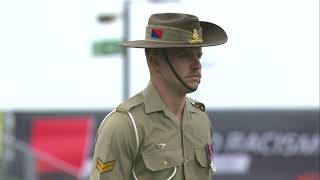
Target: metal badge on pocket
x=161, y=145
x=211, y=158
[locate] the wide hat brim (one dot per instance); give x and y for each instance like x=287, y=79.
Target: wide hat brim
x=212, y=35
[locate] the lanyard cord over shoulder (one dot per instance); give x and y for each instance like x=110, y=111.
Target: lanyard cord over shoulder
x=101, y=124
x=137, y=142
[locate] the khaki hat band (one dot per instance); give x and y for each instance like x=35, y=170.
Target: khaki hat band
x=170, y=34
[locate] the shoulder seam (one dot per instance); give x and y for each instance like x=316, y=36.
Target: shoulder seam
x=132, y=102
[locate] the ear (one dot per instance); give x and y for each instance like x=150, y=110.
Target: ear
x=154, y=61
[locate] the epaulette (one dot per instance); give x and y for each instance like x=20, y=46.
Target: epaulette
x=132, y=102
x=197, y=104
x=123, y=107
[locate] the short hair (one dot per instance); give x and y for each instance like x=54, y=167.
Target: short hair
x=153, y=51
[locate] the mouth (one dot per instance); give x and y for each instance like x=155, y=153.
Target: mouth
x=195, y=77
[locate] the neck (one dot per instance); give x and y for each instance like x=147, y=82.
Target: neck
x=173, y=99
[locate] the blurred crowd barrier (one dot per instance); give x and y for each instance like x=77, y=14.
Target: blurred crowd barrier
x=249, y=144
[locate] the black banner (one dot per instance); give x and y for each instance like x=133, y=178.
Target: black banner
x=266, y=144
x=249, y=144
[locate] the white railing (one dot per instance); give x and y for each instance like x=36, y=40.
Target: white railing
x=31, y=155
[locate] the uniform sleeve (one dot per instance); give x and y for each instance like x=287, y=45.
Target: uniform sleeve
x=114, y=149
x=211, y=128
x=210, y=134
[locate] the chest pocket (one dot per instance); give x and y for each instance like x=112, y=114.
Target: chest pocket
x=161, y=160
x=201, y=157
x=200, y=168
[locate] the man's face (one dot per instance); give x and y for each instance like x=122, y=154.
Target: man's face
x=186, y=62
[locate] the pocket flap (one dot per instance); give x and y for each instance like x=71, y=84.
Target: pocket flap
x=202, y=157
x=159, y=160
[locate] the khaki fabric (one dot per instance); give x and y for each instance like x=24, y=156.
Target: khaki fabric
x=164, y=143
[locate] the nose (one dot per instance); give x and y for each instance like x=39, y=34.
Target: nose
x=196, y=64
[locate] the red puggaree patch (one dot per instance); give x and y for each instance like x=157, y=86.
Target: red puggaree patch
x=156, y=33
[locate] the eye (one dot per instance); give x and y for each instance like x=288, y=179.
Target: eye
x=199, y=55
x=182, y=55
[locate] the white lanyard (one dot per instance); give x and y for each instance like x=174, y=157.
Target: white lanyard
x=137, y=142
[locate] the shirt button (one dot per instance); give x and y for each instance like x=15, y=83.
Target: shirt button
x=186, y=160
x=165, y=163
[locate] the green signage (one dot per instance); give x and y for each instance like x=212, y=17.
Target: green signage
x=106, y=47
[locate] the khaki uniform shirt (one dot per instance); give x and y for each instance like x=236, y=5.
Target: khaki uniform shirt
x=164, y=143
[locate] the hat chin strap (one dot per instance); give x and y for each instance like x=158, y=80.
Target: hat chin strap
x=175, y=72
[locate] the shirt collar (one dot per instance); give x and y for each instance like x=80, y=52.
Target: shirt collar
x=153, y=101
x=189, y=106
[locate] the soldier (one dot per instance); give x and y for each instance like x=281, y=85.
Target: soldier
x=160, y=133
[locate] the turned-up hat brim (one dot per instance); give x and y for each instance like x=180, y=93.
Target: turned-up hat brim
x=212, y=35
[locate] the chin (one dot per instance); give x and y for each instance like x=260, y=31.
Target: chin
x=193, y=86
x=190, y=91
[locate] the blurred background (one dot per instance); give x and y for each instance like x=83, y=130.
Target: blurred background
x=62, y=71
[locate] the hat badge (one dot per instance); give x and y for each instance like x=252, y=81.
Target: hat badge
x=195, y=38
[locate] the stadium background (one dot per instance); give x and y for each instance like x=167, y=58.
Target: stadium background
x=61, y=72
